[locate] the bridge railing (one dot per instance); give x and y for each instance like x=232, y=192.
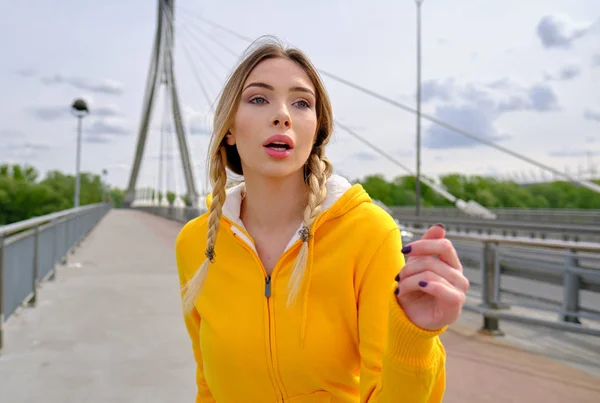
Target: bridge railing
x=572, y=266
x=541, y=230
x=30, y=249
x=555, y=216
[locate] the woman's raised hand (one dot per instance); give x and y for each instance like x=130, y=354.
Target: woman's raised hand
x=431, y=286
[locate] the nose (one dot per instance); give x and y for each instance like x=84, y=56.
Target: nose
x=282, y=118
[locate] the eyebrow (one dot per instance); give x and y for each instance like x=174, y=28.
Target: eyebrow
x=270, y=87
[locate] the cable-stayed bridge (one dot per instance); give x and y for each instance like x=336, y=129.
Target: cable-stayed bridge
x=89, y=296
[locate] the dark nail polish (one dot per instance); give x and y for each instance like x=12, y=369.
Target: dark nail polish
x=440, y=225
x=406, y=249
x=397, y=278
x=423, y=283
x=396, y=291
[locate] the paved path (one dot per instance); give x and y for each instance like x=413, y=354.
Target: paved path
x=109, y=329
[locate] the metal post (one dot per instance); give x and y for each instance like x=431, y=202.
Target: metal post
x=54, y=250
x=80, y=109
x=418, y=181
x=491, y=325
x=36, y=262
x=105, y=195
x=78, y=163
x=1, y=291
x=570, y=288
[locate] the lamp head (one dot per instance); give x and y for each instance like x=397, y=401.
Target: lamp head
x=80, y=108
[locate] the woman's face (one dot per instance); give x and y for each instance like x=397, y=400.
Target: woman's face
x=276, y=121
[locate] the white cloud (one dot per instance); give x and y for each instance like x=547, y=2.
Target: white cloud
x=559, y=31
x=475, y=107
x=106, y=86
x=592, y=114
x=566, y=73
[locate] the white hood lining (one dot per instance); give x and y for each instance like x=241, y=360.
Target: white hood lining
x=336, y=187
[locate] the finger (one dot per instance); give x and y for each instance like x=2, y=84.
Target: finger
x=434, y=285
x=442, y=248
x=442, y=269
x=436, y=231
x=422, y=278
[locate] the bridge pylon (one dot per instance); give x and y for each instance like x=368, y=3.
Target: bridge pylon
x=161, y=72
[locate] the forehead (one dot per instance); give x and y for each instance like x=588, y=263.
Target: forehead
x=280, y=72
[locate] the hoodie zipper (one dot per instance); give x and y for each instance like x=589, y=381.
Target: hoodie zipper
x=277, y=384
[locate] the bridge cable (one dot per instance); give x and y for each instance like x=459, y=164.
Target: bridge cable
x=444, y=193
x=161, y=185
x=170, y=132
x=201, y=82
x=434, y=187
x=203, y=45
x=585, y=183
x=469, y=207
x=188, y=56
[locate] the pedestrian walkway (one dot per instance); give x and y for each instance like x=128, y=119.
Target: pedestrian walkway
x=109, y=329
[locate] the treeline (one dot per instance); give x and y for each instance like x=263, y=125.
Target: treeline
x=24, y=194
x=487, y=191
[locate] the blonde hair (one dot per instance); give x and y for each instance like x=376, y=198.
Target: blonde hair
x=317, y=168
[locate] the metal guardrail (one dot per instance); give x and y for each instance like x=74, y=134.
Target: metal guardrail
x=555, y=216
x=566, y=232
x=552, y=262
x=182, y=215
x=30, y=249
x=545, y=261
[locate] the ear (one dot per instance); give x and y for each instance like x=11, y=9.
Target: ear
x=230, y=138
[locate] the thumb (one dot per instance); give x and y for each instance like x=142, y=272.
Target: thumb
x=436, y=231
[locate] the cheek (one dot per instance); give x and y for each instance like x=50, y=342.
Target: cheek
x=243, y=123
x=245, y=128
x=305, y=130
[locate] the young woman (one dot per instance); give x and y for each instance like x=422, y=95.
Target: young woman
x=291, y=290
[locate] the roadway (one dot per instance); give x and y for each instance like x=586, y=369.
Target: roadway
x=109, y=329
x=532, y=291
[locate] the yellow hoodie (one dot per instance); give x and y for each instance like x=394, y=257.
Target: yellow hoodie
x=346, y=340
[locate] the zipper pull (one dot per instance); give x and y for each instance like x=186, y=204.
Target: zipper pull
x=268, y=286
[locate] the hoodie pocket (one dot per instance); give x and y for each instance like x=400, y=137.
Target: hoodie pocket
x=320, y=396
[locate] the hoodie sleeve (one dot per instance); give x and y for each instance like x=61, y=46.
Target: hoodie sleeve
x=192, y=324
x=400, y=362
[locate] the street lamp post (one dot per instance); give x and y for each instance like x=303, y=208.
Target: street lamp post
x=104, y=185
x=80, y=109
x=418, y=181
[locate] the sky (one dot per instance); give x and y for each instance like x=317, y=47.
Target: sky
x=524, y=75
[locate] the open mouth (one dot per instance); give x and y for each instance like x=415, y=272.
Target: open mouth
x=279, y=146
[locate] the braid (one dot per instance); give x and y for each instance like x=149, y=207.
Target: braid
x=319, y=169
x=219, y=176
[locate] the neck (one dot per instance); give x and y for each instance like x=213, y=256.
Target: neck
x=274, y=203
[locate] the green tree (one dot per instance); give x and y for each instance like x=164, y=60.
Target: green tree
x=487, y=191
x=23, y=196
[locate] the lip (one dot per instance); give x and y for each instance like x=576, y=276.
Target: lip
x=280, y=138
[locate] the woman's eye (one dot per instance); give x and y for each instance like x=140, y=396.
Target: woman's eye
x=303, y=104
x=258, y=100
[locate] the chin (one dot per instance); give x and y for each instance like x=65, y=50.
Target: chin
x=277, y=170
